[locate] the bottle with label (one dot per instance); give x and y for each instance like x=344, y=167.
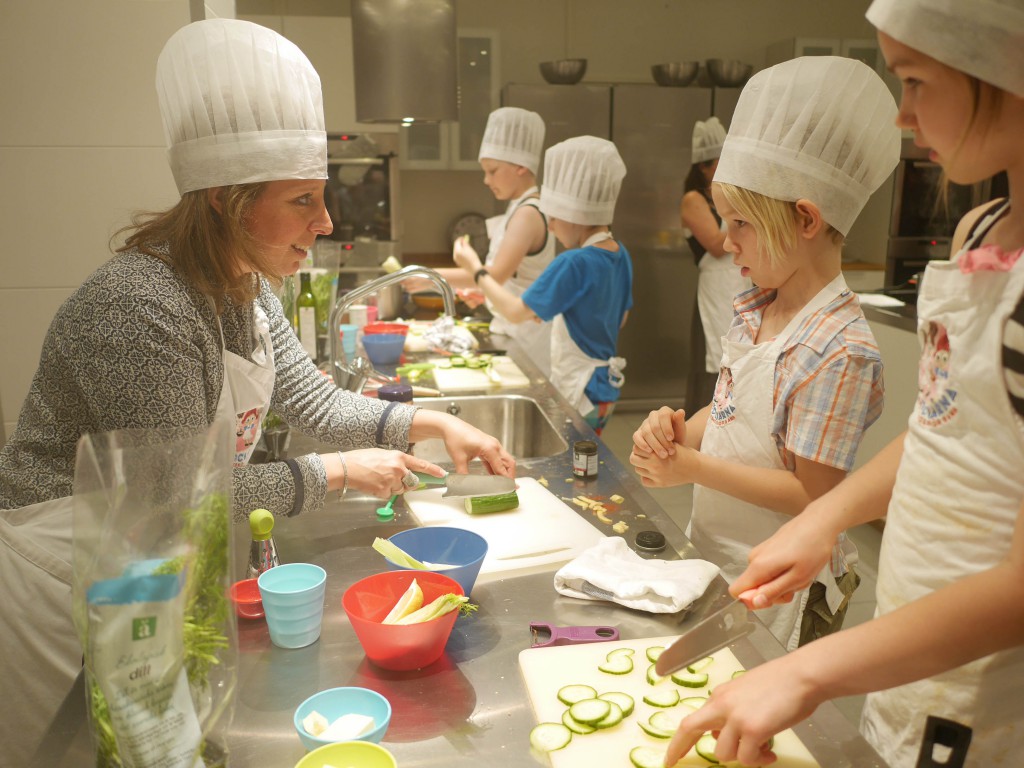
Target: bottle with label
x=306, y=312
x=262, y=551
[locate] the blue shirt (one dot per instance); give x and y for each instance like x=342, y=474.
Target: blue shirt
x=592, y=288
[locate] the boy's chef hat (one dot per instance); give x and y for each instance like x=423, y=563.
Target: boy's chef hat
x=708, y=137
x=817, y=127
x=513, y=135
x=984, y=38
x=582, y=178
x=240, y=104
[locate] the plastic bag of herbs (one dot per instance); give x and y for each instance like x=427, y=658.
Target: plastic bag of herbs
x=152, y=546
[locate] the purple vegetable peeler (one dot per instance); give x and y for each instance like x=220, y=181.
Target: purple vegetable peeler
x=570, y=635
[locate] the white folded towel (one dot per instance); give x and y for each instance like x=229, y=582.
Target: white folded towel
x=655, y=586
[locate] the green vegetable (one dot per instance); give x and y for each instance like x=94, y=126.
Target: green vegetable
x=570, y=694
x=499, y=502
x=397, y=555
x=442, y=605
x=645, y=757
x=547, y=737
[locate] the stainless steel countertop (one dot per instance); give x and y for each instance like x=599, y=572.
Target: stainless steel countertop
x=471, y=705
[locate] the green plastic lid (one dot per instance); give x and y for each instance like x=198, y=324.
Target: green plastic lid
x=261, y=523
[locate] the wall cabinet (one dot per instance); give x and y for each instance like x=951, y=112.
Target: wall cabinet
x=454, y=145
x=862, y=49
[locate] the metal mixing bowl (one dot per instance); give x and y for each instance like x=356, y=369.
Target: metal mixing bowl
x=728, y=73
x=563, y=71
x=678, y=74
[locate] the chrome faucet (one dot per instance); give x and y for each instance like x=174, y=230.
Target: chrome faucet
x=353, y=375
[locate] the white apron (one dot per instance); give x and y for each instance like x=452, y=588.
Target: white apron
x=718, y=283
x=245, y=394
x=953, y=510
x=723, y=528
x=533, y=337
x=571, y=367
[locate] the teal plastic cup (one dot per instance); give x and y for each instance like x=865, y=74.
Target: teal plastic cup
x=293, y=600
x=348, y=333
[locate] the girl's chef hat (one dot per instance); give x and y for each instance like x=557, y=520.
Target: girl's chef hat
x=582, y=177
x=817, y=127
x=240, y=104
x=513, y=135
x=708, y=137
x=984, y=38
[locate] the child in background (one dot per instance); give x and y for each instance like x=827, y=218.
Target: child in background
x=948, y=640
x=801, y=375
x=520, y=246
x=586, y=292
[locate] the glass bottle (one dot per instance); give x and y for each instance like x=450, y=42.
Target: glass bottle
x=306, y=312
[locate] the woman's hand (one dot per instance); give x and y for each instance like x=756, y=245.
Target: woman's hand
x=661, y=433
x=376, y=471
x=463, y=442
x=466, y=256
x=747, y=711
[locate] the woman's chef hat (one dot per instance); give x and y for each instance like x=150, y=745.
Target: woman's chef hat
x=984, y=38
x=817, y=127
x=240, y=104
x=514, y=135
x=582, y=178
x=708, y=137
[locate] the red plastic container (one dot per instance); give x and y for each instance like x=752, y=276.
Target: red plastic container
x=245, y=594
x=399, y=328
x=399, y=647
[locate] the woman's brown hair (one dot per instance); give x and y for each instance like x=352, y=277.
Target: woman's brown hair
x=207, y=247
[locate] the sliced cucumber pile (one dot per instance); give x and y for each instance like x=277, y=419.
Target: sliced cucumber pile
x=570, y=694
x=689, y=679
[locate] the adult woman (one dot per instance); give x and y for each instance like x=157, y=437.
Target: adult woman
x=520, y=246
x=181, y=328
x=719, y=280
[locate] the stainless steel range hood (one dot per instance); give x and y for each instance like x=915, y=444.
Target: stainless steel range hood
x=405, y=60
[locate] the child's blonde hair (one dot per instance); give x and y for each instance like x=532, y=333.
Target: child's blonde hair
x=774, y=220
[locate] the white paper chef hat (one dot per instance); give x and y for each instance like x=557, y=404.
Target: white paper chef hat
x=513, y=135
x=817, y=127
x=240, y=104
x=708, y=137
x=984, y=38
x=582, y=178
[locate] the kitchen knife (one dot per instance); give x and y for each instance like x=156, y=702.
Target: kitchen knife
x=470, y=485
x=723, y=627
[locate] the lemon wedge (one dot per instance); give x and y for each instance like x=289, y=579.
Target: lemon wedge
x=411, y=601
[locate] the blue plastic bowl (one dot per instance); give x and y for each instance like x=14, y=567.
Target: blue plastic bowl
x=335, y=702
x=383, y=348
x=441, y=544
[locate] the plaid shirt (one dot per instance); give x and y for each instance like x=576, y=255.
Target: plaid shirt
x=828, y=379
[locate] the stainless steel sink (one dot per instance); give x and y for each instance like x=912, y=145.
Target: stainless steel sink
x=517, y=421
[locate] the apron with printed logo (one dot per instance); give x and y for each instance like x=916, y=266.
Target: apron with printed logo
x=571, y=367
x=723, y=528
x=953, y=509
x=532, y=336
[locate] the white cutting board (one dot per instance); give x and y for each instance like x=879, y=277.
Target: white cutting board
x=544, y=530
x=450, y=380
x=546, y=670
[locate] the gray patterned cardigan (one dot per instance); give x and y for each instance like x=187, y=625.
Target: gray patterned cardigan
x=137, y=347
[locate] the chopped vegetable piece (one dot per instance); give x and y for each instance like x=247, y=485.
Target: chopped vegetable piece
x=706, y=748
x=590, y=711
x=646, y=757
x=737, y=673
x=689, y=679
x=654, y=652
x=696, y=702
x=547, y=737
x=570, y=694
x=700, y=664
x=581, y=728
x=619, y=652
x=409, y=602
x=499, y=502
x=662, y=697
x=668, y=719
x=650, y=730
x=624, y=700
x=614, y=716
x=653, y=677
x=438, y=608
x=621, y=527
x=396, y=554
x=618, y=665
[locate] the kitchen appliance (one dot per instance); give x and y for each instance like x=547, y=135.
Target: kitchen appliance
x=546, y=670
x=723, y=627
x=920, y=226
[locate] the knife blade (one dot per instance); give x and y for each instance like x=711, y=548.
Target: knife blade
x=723, y=627
x=470, y=485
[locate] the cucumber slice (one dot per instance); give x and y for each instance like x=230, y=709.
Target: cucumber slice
x=653, y=677
x=618, y=665
x=706, y=748
x=700, y=664
x=547, y=737
x=647, y=757
x=737, y=673
x=668, y=719
x=457, y=361
x=624, y=700
x=650, y=730
x=695, y=702
x=581, y=728
x=689, y=679
x=498, y=502
x=662, y=697
x=619, y=652
x=570, y=694
x=654, y=652
x=590, y=711
x=614, y=717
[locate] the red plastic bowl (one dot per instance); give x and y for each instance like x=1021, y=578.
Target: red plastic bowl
x=399, y=328
x=399, y=647
x=245, y=594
